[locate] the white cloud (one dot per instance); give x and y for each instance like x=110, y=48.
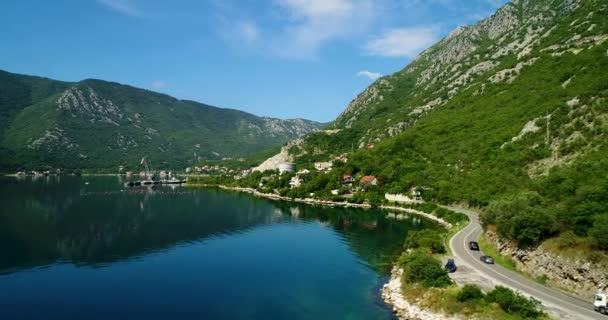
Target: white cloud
x=294, y=29
x=403, y=42
x=311, y=24
x=371, y=75
x=122, y=6
x=317, y=8
x=157, y=84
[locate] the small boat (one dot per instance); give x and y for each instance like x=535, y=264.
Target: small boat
x=173, y=180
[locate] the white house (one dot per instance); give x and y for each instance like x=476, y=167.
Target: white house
x=322, y=166
x=295, y=181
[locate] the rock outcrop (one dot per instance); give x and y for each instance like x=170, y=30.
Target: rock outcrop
x=405, y=310
x=494, y=50
x=581, y=278
x=283, y=156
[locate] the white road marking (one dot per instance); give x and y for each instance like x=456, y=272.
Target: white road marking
x=509, y=276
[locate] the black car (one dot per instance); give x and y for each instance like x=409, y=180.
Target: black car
x=486, y=259
x=473, y=245
x=450, y=266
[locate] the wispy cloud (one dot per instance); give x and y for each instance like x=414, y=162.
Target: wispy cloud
x=403, y=42
x=369, y=74
x=302, y=29
x=125, y=7
x=294, y=29
x=311, y=24
x=157, y=84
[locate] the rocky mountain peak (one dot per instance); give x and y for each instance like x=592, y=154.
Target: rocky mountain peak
x=494, y=50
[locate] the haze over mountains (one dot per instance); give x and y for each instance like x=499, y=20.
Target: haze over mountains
x=100, y=124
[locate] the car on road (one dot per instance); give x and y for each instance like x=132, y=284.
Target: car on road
x=473, y=245
x=486, y=259
x=450, y=266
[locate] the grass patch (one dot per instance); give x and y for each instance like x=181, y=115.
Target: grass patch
x=445, y=301
x=576, y=248
x=489, y=249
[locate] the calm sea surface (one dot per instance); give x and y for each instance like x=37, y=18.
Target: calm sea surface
x=86, y=248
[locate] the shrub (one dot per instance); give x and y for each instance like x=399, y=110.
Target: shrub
x=599, y=232
x=567, y=239
x=425, y=270
x=429, y=239
x=469, y=292
x=514, y=303
x=521, y=217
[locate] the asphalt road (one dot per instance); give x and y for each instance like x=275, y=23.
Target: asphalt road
x=552, y=298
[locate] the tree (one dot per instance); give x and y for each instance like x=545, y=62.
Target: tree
x=522, y=217
x=599, y=232
x=421, y=268
x=469, y=292
x=514, y=303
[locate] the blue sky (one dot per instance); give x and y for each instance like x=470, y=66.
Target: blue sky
x=279, y=58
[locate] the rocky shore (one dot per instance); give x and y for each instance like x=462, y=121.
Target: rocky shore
x=405, y=310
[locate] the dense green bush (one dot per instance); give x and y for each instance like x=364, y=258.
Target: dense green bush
x=425, y=270
x=599, y=232
x=522, y=217
x=514, y=303
x=469, y=292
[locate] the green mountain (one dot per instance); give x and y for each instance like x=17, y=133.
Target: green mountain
x=511, y=112
x=98, y=124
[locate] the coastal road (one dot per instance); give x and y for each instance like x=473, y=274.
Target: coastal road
x=569, y=307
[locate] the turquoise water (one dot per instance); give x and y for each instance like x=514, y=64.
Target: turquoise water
x=76, y=248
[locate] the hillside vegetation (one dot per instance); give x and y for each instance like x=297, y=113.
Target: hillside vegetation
x=510, y=114
x=94, y=124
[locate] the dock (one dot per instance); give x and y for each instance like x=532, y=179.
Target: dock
x=153, y=182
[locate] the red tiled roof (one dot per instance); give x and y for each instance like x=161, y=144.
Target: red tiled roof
x=367, y=179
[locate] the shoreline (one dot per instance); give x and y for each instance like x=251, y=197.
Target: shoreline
x=390, y=292
x=328, y=203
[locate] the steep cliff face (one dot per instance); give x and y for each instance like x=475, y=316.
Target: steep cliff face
x=99, y=124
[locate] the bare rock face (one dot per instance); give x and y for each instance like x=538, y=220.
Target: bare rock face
x=53, y=140
x=273, y=162
x=87, y=103
x=581, y=278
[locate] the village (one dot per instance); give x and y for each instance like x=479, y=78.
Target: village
x=330, y=180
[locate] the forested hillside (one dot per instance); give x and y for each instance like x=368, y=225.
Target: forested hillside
x=509, y=114
x=94, y=124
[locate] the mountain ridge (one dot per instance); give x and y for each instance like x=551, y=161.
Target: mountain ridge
x=64, y=126
x=511, y=112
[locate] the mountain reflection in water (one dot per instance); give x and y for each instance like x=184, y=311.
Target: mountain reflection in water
x=62, y=219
